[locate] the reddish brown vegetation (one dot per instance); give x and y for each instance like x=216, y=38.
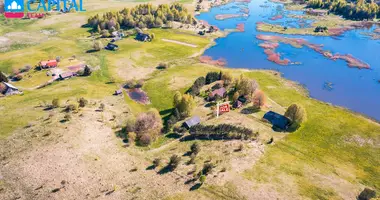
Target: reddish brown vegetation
x=240, y=27
x=209, y=60
x=268, y=45
x=243, y=1
x=138, y=95
x=229, y=16
x=298, y=43
x=275, y=57
x=244, y=10
x=276, y=17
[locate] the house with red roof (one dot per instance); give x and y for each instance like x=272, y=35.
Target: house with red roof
x=48, y=64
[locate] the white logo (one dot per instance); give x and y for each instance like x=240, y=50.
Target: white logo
x=14, y=6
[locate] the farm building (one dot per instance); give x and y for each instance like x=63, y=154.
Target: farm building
x=143, y=37
x=112, y=47
x=66, y=75
x=48, y=64
x=118, y=92
x=192, y=122
x=219, y=92
x=10, y=89
x=277, y=120
x=237, y=104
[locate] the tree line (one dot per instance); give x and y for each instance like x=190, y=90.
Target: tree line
x=142, y=16
x=221, y=131
x=360, y=11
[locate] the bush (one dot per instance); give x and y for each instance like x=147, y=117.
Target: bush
x=25, y=69
x=212, y=77
x=102, y=107
x=130, y=125
x=296, y=114
x=185, y=104
x=18, y=77
x=196, y=87
x=245, y=86
x=3, y=78
x=367, y=194
x=221, y=131
x=259, y=99
x=202, y=179
x=82, y=102
x=163, y=66
x=174, y=162
x=55, y=103
x=192, y=159
x=157, y=162
x=145, y=140
x=87, y=71
x=195, y=148
x=227, y=78
x=131, y=137
x=71, y=107
x=98, y=45
x=67, y=117
x=207, y=168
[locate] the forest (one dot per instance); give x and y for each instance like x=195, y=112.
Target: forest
x=141, y=16
x=361, y=10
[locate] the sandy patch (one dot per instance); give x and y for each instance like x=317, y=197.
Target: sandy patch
x=127, y=71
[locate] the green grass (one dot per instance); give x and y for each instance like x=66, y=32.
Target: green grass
x=318, y=146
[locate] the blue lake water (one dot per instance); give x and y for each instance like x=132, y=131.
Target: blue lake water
x=353, y=88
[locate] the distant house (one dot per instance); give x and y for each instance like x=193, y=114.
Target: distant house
x=192, y=122
x=10, y=89
x=112, y=47
x=66, y=75
x=220, y=92
x=143, y=37
x=48, y=64
x=118, y=92
x=237, y=104
x=277, y=120
x=317, y=12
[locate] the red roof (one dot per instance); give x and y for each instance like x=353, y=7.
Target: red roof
x=49, y=63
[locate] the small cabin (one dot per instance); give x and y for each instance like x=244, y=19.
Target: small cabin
x=10, y=89
x=66, y=75
x=218, y=92
x=192, y=122
x=48, y=64
x=118, y=92
x=277, y=120
x=237, y=104
x=112, y=47
x=143, y=37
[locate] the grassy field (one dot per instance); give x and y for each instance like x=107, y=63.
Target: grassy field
x=334, y=155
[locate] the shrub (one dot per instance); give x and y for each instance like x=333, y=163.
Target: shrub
x=157, y=162
x=212, y=77
x=55, y=103
x=67, y=117
x=3, y=78
x=98, y=45
x=184, y=103
x=82, y=102
x=240, y=148
x=102, y=107
x=245, y=86
x=87, y=71
x=227, y=78
x=174, y=162
x=192, y=159
x=71, y=107
x=195, y=148
x=130, y=125
x=25, y=69
x=259, y=99
x=18, y=77
x=196, y=87
x=367, y=194
x=162, y=66
x=202, y=179
x=145, y=140
x=296, y=114
x=131, y=137
x=150, y=123
x=207, y=168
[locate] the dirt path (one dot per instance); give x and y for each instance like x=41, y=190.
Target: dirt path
x=181, y=43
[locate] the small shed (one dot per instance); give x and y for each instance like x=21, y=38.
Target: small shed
x=10, y=89
x=192, y=122
x=112, y=47
x=143, y=37
x=118, y=92
x=48, y=64
x=66, y=75
x=237, y=104
x=277, y=120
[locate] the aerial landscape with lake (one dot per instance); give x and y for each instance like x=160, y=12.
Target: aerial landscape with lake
x=190, y=99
